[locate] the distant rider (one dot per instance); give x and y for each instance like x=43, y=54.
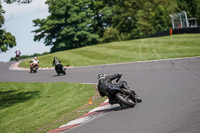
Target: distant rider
x=106, y=81
x=18, y=53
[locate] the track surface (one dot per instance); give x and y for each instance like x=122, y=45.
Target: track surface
x=170, y=90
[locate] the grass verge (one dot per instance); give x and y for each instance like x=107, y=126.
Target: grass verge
x=176, y=46
x=40, y=107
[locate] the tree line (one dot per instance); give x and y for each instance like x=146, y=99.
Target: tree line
x=77, y=23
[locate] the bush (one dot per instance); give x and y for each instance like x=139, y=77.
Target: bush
x=110, y=35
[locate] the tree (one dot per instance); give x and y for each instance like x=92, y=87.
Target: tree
x=110, y=35
x=102, y=15
x=192, y=7
x=68, y=26
x=124, y=19
x=77, y=23
x=136, y=19
x=148, y=17
x=7, y=40
x=18, y=1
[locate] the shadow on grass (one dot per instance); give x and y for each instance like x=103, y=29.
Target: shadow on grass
x=11, y=97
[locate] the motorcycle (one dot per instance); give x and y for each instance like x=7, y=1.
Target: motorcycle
x=17, y=57
x=60, y=69
x=34, y=67
x=123, y=96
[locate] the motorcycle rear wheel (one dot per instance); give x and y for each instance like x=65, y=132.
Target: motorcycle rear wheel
x=123, y=99
x=63, y=72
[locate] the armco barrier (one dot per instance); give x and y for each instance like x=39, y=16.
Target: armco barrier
x=176, y=31
x=187, y=30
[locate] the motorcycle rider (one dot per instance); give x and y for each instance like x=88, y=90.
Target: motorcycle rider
x=33, y=62
x=106, y=80
x=57, y=64
x=18, y=53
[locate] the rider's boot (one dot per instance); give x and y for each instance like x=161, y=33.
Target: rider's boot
x=30, y=70
x=111, y=100
x=139, y=99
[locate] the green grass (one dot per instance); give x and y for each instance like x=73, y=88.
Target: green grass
x=186, y=45
x=39, y=107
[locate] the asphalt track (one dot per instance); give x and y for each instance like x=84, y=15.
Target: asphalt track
x=170, y=90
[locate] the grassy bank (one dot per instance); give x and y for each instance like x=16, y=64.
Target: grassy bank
x=186, y=45
x=39, y=107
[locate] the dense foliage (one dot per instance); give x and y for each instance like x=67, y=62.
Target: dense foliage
x=68, y=26
x=77, y=23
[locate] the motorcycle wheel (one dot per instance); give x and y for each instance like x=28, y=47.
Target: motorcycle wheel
x=58, y=72
x=123, y=99
x=31, y=69
x=34, y=70
x=64, y=72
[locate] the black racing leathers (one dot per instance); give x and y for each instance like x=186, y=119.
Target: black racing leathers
x=104, y=83
x=57, y=64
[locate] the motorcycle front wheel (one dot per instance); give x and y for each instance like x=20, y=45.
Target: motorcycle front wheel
x=124, y=99
x=58, y=72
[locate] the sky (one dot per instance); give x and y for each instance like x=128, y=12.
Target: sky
x=18, y=21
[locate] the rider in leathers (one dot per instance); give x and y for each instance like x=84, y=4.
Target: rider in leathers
x=56, y=62
x=106, y=81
